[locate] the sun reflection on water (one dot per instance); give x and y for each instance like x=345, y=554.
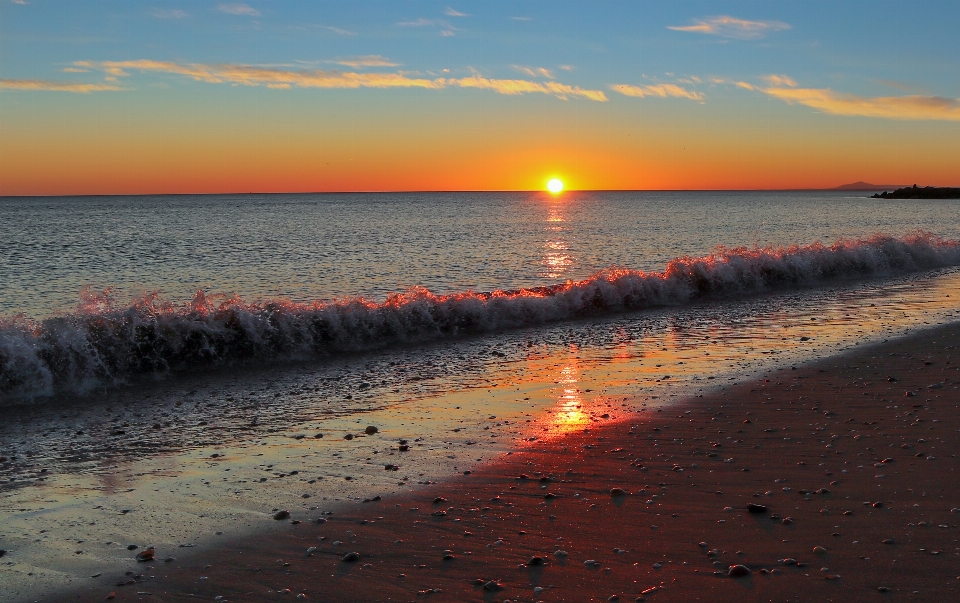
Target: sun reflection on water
x=556, y=260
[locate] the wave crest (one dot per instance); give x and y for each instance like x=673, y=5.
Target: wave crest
x=104, y=343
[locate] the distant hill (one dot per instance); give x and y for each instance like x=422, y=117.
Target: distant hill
x=866, y=186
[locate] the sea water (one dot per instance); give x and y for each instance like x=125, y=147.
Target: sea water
x=99, y=290
x=149, y=344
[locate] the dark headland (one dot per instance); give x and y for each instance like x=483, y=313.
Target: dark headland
x=926, y=192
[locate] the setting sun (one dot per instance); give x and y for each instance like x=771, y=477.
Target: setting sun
x=555, y=185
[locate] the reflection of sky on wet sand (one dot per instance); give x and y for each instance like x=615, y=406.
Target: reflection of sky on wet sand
x=568, y=413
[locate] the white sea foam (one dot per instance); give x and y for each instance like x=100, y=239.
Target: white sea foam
x=104, y=344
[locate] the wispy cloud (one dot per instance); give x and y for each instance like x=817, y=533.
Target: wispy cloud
x=237, y=8
x=524, y=86
x=731, y=27
x=20, y=2
x=912, y=107
x=55, y=86
x=421, y=22
x=168, y=14
x=74, y=70
x=338, y=30
x=451, y=12
x=780, y=80
x=275, y=77
x=533, y=71
x=271, y=77
x=371, y=60
x=660, y=90
x=446, y=29
x=521, y=18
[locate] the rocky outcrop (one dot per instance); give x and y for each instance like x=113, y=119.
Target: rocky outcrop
x=915, y=192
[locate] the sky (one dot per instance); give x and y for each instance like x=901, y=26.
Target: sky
x=130, y=97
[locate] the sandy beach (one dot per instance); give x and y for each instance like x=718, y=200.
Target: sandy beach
x=850, y=465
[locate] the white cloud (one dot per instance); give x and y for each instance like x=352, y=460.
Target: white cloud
x=910, y=107
x=372, y=60
x=731, y=27
x=780, y=80
x=421, y=22
x=659, y=90
x=280, y=78
x=450, y=12
x=44, y=85
x=20, y=2
x=446, y=29
x=533, y=71
x=237, y=8
x=523, y=86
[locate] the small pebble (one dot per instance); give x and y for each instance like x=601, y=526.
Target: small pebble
x=146, y=555
x=738, y=571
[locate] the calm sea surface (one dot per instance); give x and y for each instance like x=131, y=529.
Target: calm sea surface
x=321, y=247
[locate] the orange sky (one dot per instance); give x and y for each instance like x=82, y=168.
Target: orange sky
x=374, y=96
x=607, y=147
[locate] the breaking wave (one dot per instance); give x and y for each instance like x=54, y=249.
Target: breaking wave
x=103, y=344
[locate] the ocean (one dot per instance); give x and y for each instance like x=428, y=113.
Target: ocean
x=99, y=290
x=143, y=338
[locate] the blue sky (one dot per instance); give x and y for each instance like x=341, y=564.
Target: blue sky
x=864, y=66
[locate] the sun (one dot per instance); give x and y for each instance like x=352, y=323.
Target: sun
x=555, y=185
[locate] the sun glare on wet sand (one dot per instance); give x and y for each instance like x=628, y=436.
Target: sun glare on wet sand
x=555, y=185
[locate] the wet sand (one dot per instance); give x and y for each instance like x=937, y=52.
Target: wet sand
x=854, y=454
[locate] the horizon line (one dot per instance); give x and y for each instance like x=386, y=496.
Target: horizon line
x=368, y=192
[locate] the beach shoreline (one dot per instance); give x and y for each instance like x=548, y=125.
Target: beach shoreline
x=855, y=453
